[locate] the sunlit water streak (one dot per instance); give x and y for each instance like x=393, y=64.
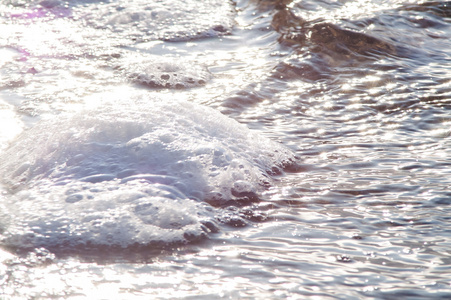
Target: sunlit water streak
x=360, y=91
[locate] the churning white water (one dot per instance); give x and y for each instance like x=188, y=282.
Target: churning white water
x=131, y=172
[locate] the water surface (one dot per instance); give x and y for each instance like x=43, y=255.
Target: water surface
x=220, y=149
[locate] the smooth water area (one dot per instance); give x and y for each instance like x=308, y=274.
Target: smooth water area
x=219, y=149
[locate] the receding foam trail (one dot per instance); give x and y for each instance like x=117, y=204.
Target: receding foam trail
x=173, y=20
x=139, y=173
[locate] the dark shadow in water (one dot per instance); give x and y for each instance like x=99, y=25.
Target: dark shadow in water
x=438, y=8
x=323, y=36
x=314, y=50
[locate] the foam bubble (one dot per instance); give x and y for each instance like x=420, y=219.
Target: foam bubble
x=138, y=173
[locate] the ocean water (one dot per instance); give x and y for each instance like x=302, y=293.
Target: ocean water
x=225, y=149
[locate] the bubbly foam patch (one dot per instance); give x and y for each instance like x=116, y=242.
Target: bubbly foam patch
x=137, y=173
x=83, y=215
x=173, y=20
x=166, y=73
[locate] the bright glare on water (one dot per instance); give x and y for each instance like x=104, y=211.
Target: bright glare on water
x=243, y=149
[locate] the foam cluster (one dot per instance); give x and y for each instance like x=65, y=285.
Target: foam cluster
x=139, y=173
x=166, y=74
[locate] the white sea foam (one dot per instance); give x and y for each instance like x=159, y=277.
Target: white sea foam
x=135, y=172
x=174, y=20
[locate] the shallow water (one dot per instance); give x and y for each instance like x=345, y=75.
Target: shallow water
x=242, y=150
